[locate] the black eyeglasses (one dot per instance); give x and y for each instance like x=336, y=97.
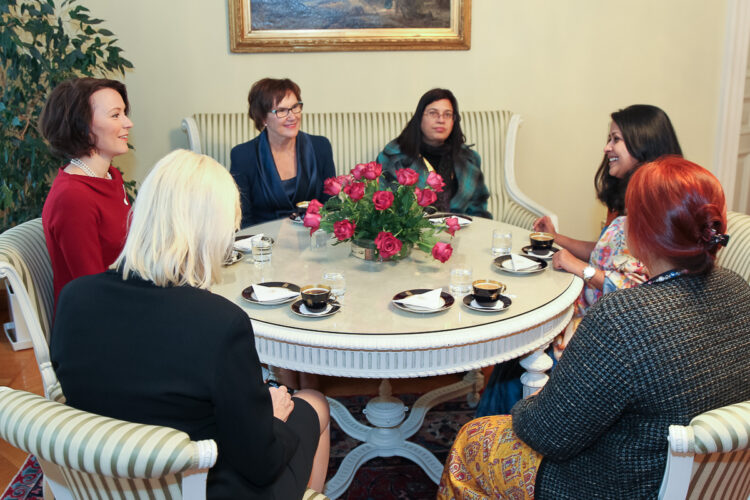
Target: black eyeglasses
x=284, y=112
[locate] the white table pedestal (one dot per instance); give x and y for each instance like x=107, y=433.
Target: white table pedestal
x=390, y=430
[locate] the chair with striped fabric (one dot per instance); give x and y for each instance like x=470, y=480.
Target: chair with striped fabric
x=84, y=455
x=88, y=456
x=736, y=256
x=710, y=457
x=25, y=266
x=358, y=137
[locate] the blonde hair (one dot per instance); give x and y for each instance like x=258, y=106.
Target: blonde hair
x=183, y=222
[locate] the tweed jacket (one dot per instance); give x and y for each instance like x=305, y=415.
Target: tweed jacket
x=642, y=359
x=472, y=194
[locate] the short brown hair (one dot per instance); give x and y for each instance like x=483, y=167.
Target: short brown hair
x=66, y=118
x=265, y=94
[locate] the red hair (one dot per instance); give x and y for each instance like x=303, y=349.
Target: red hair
x=674, y=209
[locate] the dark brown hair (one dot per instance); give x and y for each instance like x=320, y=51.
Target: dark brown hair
x=265, y=94
x=676, y=209
x=66, y=118
x=648, y=134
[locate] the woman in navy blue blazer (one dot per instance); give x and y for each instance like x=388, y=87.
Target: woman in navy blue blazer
x=282, y=166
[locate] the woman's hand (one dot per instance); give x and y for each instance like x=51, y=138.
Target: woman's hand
x=544, y=225
x=282, y=402
x=563, y=259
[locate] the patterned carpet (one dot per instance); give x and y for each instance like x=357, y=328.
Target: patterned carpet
x=395, y=477
x=27, y=485
x=379, y=479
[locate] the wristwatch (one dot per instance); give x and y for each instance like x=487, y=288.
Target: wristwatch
x=588, y=273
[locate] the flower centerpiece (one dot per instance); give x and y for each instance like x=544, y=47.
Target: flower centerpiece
x=391, y=218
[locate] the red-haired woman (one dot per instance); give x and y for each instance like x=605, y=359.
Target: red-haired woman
x=642, y=359
x=85, y=121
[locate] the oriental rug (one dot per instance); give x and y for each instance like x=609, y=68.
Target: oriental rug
x=378, y=479
x=387, y=478
x=27, y=485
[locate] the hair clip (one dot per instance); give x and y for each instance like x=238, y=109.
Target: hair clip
x=719, y=239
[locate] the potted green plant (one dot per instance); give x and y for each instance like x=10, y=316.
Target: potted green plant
x=42, y=44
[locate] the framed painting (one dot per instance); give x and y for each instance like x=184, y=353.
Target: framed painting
x=347, y=25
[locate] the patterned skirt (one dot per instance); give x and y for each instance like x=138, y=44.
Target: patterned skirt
x=488, y=461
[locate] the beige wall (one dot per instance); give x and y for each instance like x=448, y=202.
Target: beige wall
x=563, y=65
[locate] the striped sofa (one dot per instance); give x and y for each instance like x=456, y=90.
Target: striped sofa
x=358, y=137
x=710, y=458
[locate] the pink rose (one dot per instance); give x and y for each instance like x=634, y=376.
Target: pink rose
x=355, y=191
x=312, y=221
x=373, y=170
x=344, y=229
x=388, y=245
x=453, y=225
x=442, y=251
x=359, y=170
x=435, y=182
x=345, y=180
x=314, y=206
x=425, y=196
x=406, y=176
x=382, y=200
x=331, y=186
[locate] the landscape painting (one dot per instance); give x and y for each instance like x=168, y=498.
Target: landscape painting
x=325, y=25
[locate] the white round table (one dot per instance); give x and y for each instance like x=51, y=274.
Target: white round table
x=370, y=338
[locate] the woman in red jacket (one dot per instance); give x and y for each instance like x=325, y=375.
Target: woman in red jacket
x=85, y=215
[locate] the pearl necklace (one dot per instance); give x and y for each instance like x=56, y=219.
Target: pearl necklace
x=85, y=168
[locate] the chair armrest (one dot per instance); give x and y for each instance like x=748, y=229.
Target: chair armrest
x=190, y=126
x=723, y=429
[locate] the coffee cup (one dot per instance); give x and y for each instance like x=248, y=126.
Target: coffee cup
x=302, y=208
x=541, y=242
x=487, y=292
x=315, y=297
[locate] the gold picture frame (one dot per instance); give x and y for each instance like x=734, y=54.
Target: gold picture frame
x=298, y=38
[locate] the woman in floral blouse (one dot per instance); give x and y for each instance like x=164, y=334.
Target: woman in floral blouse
x=638, y=134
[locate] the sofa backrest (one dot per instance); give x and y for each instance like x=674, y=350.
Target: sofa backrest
x=358, y=137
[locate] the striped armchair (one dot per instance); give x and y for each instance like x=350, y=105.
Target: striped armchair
x=736, y=256
x=26, y=268
x=710, y=458
x=88, y=456
x=358, y=137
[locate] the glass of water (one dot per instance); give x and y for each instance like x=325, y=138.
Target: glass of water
x=335, y=280
x=461, y=275
x=261, y=248
x=502, y=242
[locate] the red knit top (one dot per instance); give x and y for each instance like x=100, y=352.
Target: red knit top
x=85, y=224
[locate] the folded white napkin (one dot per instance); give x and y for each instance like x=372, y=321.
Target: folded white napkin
x=272, y=293
x=246, y=244
x=428, y=300
x=520, y=263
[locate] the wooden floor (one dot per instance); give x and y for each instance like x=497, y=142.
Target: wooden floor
x=18, y=370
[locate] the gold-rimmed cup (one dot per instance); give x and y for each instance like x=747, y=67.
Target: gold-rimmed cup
x=487, y=292
x=315, y=297
x=541, y=242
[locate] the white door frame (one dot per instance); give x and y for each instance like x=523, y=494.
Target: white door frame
x=731, y=95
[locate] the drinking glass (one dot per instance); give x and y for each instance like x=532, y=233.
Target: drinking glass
x=319, y=240
x=502, y=242
x=461, y=275
x=335, y=280
x=261, y=248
